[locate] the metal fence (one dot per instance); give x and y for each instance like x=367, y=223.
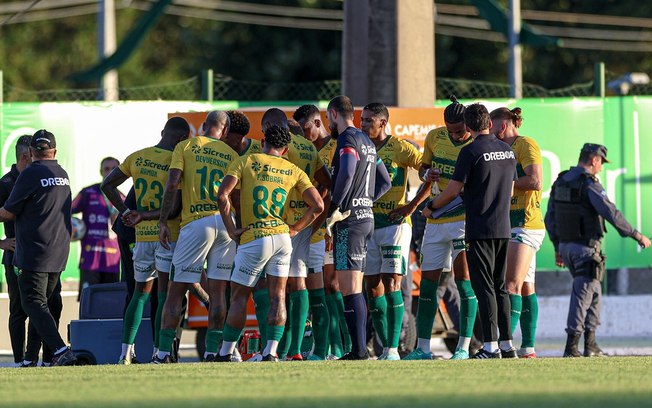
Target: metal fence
x=221, y=87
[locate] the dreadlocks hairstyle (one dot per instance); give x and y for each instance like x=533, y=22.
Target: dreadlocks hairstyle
x=239, y=122
x=454, y=113
x=277, y=137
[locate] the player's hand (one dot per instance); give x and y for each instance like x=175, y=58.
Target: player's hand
x=401, y=213
x=328, y=241
x=558, y=261
x=237, y=233
x=8, y=244
x=335, y=217
x=132, y=218
x=164, y=235
x=293, y=231
x=644, y=242
x=432, y=175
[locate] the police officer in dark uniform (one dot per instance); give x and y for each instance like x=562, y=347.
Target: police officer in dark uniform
x=577, y=210
x=40, y=204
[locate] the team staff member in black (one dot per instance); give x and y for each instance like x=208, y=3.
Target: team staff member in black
x=486, y=169
x=40, y=205
x=360, y=178
x=577, y=209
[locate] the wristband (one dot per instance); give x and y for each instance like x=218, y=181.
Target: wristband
x=125, y=212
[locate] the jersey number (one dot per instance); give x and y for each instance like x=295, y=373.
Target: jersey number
x=264, y=207
x=157, y=190
x=209, y=182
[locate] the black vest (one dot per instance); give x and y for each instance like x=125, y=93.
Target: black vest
x=575, y=218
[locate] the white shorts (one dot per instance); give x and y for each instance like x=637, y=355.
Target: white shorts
x=532, y=238
x=269, y=255
x=316, y=257
x=151, y=257
x=441, y=244
x=300, y=254
x=388, y=250
x=203, y=240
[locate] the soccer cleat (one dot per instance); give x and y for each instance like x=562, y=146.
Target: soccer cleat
x=418, y=354
x=392, y=357
x=223, y=359
x=236, y=357
x=511, y=353
x=315, y=357
x=460, y=355
x=484, y=354
x=165, y=360
x=270, y=357
x=523, y=354
x=124, y=361
x=210, y=358
x=332, y=357
x=67, y=358
x=256, y=358
x=26, y=364
x=296, y=357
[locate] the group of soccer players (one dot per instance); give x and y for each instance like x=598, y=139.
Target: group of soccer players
x=312, y=221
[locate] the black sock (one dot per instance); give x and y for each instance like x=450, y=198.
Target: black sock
x=355, y=313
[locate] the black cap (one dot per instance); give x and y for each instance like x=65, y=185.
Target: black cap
x=43, y=140
x=596, y=149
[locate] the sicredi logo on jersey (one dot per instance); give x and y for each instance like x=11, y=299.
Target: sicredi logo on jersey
x=490, y=156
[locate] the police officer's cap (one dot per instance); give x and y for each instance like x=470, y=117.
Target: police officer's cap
x=43, y=140
x=596, y=149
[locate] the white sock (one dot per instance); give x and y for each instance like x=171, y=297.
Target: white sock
x=270, y=348
x=162, y=354
x=127, y=350
x=464, y=343
x=506, y=345
x=227, y=347
x=424, y=345
x=206, y=354
x=527, y=350
x=61, y=350
x=491, y=346
x=392, y=351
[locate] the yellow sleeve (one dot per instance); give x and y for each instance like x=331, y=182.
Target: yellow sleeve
x=125, y=166
x=236, y=167
x=426, y=158
x=177, y=157
x=411, y=155
x=303, y=182
x=530, y=154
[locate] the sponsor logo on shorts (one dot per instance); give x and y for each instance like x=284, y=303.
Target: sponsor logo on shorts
x=145, y=269
x=357, y=257
x=247, y=271
x=192, y=269
x=363, y=213
x=163, y=258
x=392, y=251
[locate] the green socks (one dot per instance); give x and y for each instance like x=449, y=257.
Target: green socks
x=133, y=317
x=230, y=334
x=468, y=307
x=346, y=336
x=213, y=339
x=159, y=316
x=166, y=339
x=320, y=321
x=378, y=312
x=515, y=313
x=395, y=310
x=529, y=317
x=261, y=303
x=299, y=314
x=334, y=333
x=427, y=308
x=286, y=338
x=275, y=332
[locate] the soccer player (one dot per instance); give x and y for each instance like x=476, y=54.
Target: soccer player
x=443, y=247
x=389, y=246
x=149, y=169
x=320, y=261
x=360, y=179
x=198, y=166
x=237, y=138
x=528, y=229
x=486, y=169
x=303, y=154
x=266, y=180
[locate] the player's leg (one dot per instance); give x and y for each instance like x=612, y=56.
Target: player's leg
x=317, y=301
x=298, y=293
x=468, y=301
x=529, y=301
x=340, y=339
x=373, y=285
x=519, y=258
x=502, y=299
x=436, y=250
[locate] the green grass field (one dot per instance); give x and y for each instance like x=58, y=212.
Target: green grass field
x=553, y=382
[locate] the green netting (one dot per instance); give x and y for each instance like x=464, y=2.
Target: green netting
x=231, y=89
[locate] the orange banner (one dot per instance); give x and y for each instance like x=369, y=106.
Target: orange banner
x=407, y=123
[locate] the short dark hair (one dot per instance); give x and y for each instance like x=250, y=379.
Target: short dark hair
x=239, y=122
x=295, y=127
x=454, y=113
x=22, y=145
x=274, y=116
x=476, y=117
x=305, y=112
x=177, y=127
x=277, y=136
x=506, y=114
x=342, y=104
x=378, y=109
x=109, y=158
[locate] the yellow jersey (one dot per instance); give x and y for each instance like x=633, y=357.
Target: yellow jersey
x=326, y=154
x=204, y=162
x=303, y=154
x=266, y=182
x=525, y=209
x=440, y=151
x=149, y=168
x=398, y=155
x=253, y=146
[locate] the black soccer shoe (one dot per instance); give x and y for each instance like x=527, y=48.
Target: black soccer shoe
x=511, y=353
x=484, y=354
x=66, y=358
x=270, y=357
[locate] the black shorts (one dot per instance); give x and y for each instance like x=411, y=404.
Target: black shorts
x=350, y=244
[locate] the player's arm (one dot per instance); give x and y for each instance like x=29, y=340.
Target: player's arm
x=532, y=179
x=383, y=180
x=8, y=244
x=6, y=215
x=110, y=188
x=407, y=209
x=171, y=187
x=452, y=190
x=226, y=188
x=324, y=192
x=315, y=207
